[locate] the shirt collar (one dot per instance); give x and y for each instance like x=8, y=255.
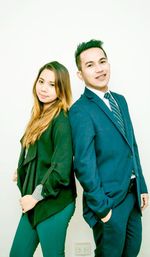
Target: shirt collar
x=98, y=92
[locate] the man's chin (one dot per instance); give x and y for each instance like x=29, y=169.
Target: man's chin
x=102, y=88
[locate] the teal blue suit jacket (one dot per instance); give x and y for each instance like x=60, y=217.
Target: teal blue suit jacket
x=103, y=157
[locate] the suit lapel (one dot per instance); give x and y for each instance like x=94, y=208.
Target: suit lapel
x=99, y=102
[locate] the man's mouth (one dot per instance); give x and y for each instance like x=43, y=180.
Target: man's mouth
x=101, y=77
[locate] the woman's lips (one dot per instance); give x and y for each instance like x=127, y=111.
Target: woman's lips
x=42, y=96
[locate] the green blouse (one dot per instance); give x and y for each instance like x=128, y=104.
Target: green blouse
x=49, y=162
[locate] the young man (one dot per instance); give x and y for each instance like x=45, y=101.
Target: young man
x=106, y=159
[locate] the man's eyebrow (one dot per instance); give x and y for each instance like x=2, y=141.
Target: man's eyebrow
x=89, y=62
x=101, y=59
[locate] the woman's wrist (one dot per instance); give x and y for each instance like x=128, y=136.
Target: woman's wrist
x=37, y=194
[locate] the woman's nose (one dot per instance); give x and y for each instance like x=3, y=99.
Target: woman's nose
x=43, y=88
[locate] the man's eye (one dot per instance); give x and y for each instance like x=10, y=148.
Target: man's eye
x=89, y=65
x=104, y=61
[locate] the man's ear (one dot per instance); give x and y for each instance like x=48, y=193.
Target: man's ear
x=79, y=74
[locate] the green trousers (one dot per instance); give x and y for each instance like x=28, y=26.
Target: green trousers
x=50, y=233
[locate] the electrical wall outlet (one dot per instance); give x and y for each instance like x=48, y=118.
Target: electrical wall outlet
x=82, y=249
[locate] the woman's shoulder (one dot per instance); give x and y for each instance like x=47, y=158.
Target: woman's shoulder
x=61, y=118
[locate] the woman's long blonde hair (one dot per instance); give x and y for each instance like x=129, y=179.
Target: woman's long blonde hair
x=40, y=118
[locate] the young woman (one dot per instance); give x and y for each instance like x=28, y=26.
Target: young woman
x=44, y=174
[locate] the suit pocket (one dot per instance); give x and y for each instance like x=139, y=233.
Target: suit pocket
x=112, y=188
x=111, y=221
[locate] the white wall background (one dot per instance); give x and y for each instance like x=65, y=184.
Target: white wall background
x=33, y=32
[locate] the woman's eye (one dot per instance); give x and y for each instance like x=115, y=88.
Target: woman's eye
x=40, y=81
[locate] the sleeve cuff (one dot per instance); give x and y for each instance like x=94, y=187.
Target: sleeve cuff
x=37, y=194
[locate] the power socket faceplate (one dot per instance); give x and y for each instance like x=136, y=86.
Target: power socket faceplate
x=82, y=249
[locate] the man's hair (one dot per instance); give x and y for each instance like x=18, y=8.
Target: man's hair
x=84, y=46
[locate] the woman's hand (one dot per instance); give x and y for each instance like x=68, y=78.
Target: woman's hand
x=14, y=178
x=27, y=203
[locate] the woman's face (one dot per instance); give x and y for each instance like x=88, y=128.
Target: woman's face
x=45, y=87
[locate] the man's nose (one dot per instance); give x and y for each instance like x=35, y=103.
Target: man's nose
x=99, y=68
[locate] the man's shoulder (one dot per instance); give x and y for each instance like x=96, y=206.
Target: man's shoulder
x=81, y=102
x=120, y=98
x=115, y=93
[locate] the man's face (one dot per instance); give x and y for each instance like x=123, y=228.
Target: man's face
x=95, y=69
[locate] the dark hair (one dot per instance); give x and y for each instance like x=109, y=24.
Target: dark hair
x=84, y=46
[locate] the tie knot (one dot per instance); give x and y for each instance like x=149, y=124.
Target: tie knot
x=107, y=95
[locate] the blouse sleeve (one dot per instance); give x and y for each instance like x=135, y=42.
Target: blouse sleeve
x=58, y=175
